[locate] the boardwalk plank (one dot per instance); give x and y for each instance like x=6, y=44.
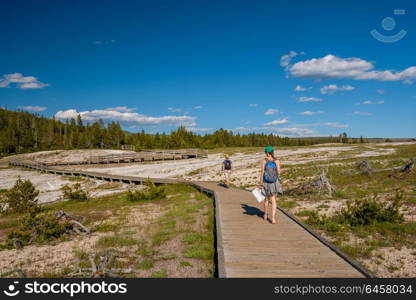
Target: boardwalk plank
x=253, y=247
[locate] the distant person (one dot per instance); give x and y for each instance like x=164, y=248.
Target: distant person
x=227, y=168
x=269, y=181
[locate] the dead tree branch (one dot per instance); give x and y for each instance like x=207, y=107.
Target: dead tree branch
x=77, y=227
x=364, y=168
x=318, y=184
x=102, y=270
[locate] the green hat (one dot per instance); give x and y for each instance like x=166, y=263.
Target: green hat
x=268, y=149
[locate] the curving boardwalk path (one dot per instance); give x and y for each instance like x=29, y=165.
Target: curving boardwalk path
x=248, y=246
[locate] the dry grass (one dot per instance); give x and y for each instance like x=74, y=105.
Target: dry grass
x=152, y=238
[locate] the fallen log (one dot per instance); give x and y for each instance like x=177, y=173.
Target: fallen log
x=364, y=168
x=77, y=227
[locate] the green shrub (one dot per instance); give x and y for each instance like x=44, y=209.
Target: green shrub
x=369, y=211
x=21, y=197
x=74, y=192
x=146, y=264
x=341, y=194
x=315, y=219
x=152, y=192
x=38, y=225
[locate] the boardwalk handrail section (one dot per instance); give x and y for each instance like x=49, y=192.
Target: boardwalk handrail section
x=142, y=156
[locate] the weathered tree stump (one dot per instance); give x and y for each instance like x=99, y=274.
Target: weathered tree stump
x=102, y=270
x=364, y=167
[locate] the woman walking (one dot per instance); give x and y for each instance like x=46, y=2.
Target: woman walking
x=269, y=181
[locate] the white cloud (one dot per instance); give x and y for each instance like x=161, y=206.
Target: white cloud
x=295, y=131
x=309, y=99
x=277, y=122
x=331, y=66
x=33, y=108
x=311, y=113
x=198, y=107
x=22, y=82
x=104, y=42
x=333, y=125
x=369, y=102
x=322, y=124
x=333, y=88
x=126, y=117
x=286, y=59
x=198, y=129
x=300, y=88
x=284, y=131
x=253, y=105
x=362, y=113
x=174, y=110
x=121, y=109
x=380, y=91
x=271, y=111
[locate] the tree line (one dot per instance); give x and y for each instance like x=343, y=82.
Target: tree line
x=22, y=132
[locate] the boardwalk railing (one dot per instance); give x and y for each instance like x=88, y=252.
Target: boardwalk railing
x=142, y=156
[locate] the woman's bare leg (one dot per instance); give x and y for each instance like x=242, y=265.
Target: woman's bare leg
x=266, y=207
x=273, y=209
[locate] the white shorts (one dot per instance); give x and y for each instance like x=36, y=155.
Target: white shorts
x=227, y=174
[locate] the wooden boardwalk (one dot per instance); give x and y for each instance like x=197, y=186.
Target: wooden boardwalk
x=248, y=246
x=142, y=156
x=252, y=247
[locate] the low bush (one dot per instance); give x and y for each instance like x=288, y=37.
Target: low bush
x=38, y=225
x=314, y=218
x=74, y=192
x=368, y=211
x=20, y=198
x=152, y=192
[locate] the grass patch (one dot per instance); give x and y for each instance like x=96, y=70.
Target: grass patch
x=75, y=178
x=105, y=227
x=198, y=245
x=287, y=204
x=167, y=256
x=146, y=264
x=195, y=172
x=146, y=251
x=185, y=263
x=341, y=194
x=115, y=241
x=108, y=186
x=159, y=274
x=165, y=232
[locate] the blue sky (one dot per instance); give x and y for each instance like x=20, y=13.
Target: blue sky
x=214, y=64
